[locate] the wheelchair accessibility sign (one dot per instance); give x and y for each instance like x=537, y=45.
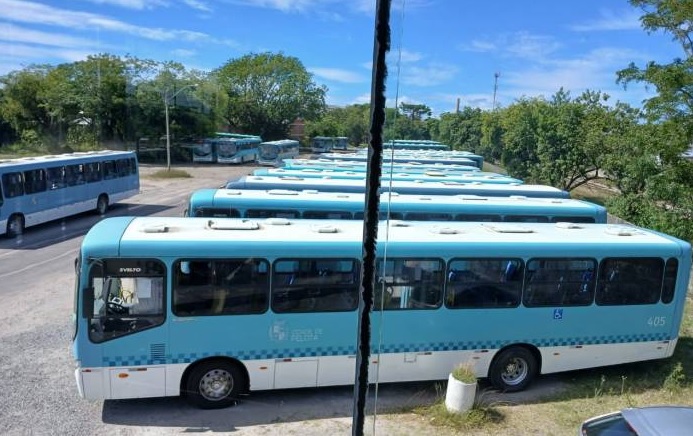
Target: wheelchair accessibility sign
x=558, y=314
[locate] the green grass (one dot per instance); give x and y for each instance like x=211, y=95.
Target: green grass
x=170, y=174
x=588, y=393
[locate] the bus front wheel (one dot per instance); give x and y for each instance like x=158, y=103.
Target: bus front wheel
x=513, y=369
x=15, y=226
x=102, y=204
x=214, y=384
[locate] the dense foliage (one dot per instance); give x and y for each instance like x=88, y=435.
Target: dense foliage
x=562, y=140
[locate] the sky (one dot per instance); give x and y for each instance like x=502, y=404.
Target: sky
x=442, y=51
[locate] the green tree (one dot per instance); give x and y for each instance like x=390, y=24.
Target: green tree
x=415, y=111
x=22, y=107
x=462, y=130
x=267, y=92
x=666, y=201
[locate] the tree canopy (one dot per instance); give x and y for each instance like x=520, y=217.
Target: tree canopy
x=267, y=92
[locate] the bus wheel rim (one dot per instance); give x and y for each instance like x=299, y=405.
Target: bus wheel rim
x=515, y=372
x=216, y=385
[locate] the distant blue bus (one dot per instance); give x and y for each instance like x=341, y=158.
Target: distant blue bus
x=205, y=151
x=232, y=203
x=274, y=152
x=212, y=308
x=411, y=167
x=403, y=158
x=35, y=190
x=237, y=150
x=402, y=187
x=411, y=144
x=429, y=176
x=322, y=144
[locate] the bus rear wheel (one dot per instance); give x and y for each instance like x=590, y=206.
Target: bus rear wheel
x=513, y=369
x=214, y=384
x=102, y=204
x=15, y=226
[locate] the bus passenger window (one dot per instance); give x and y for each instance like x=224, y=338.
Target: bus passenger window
x=484, y=283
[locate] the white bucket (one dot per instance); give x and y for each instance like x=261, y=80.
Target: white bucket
x=459, y=396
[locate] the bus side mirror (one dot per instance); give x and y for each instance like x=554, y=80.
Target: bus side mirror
x=88, y=303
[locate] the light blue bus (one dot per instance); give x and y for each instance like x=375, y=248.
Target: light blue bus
x=237, y=150
x=322, y=144
x=265, y=183
x=231, y=203
x=406, y=158
x=35, y=190
x=213, y=308
x=411, y=144
x=274, y=152
x=412, y=167
x=428, y=176
x=431, y=154
x=205, y=151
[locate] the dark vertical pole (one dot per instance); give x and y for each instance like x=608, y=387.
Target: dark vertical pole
x=370, y=226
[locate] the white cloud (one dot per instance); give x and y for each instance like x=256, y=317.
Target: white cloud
x=17, y=34
x=183, y=53
x=132, y=4
x=36, y=13
x=430, y=75
x=23, y=54
x=284, y=5
x=478, y=46
x=519, y=44
x=338, y=75
x=405, y=56
x=625, y=20
x=595, y=71
x=528, y=46
x=199, y=5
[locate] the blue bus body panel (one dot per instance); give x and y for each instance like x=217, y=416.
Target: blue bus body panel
x=401, y=187
x=337, y=165
x=429, y=176
x=276, y=336
x=400, y=206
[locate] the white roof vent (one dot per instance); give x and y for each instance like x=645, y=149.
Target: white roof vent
x=155, y=228
x=231, y=192
x=277, y=221
x=567, y=225
x=325, y=228
x=518, y=197
x=444, y=231
x=282, y=192
x=310, y=191
x=232, y=224
x=472, y=197
x=622, y=231
x=398, y=223
x=507, y=228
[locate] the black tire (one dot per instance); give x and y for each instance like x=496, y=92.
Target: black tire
x=214, y=384
x=513, y=369
x=15, y=226
x=102, y=204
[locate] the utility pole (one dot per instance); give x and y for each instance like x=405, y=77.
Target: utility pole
x=495, y=88
x=167, y=102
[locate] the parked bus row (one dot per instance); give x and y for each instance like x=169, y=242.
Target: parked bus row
x=428, y=176
x=211, y=308
x=409, y=167
x=35, y=190
x=284, y=203
x=325, y=144
x=265, y=183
